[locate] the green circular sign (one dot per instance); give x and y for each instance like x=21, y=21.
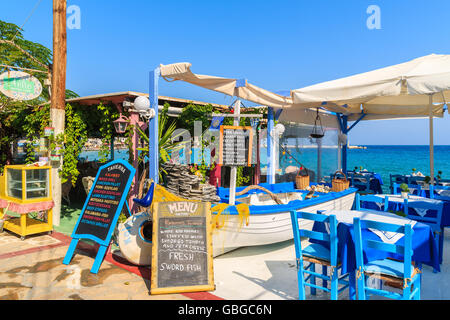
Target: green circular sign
x=20, y=86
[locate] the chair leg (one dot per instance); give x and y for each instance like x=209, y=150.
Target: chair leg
x=334, y=285
x=361, y=287
x=441, y=245
x=325, y=272
x=352, y=285
x=301, y=284
x=418, y=285
x=313, y=279
x=407, y=292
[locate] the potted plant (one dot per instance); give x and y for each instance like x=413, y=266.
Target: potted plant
x=404, y=190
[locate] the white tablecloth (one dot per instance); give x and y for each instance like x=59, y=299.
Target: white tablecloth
x=347, y=216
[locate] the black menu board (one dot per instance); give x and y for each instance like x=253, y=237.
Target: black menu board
x=102, y=204
x=182, y=247
x=102, y=208
x=235, y=146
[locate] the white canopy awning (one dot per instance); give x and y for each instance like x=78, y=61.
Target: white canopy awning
x=231, y=87
x=402, y=89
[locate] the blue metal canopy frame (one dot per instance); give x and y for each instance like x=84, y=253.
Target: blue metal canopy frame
x=343, y=123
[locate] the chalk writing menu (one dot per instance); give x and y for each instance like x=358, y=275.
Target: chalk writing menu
x=182, y=248
x=104, y=200
x=235, y=146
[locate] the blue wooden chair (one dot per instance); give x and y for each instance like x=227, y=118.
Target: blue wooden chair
x=399, y=274
x=372, y=202
x=414, y=189
x=397, y=178
x=318, y=254
x=415, y=179
x=360, y=181
x=413, y=209
x=436, y=192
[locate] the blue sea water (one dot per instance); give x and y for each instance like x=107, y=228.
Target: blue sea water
x=383, y=160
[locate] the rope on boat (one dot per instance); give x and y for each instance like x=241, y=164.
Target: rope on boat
x=271, y=194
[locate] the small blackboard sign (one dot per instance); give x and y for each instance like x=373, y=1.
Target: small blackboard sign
x=235, y=146
x=182, y=247
x=102, y=208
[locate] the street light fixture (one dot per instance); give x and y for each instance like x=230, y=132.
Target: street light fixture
x=121, y=124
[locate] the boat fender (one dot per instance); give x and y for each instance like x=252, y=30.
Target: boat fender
x=135, y=239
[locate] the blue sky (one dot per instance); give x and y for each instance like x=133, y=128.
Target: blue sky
x=277, y=45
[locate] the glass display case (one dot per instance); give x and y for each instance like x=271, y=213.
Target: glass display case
x=25, y=184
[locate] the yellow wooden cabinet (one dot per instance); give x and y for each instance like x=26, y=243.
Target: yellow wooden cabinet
x=26, y=188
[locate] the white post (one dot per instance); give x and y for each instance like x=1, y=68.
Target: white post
x=431, y=140
x=237, y=111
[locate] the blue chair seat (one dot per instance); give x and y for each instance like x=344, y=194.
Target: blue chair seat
x=315, y=250
x=387, y=267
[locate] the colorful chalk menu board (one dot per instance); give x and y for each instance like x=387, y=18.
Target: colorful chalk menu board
x=182, y=247
x=103, y=201
x=102, y=208
x=235, y=146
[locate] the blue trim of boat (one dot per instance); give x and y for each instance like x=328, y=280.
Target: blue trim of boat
x=281, y=188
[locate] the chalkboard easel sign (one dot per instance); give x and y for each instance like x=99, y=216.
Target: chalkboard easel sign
x=235, y=146
x=182, y=247
x=102, y=208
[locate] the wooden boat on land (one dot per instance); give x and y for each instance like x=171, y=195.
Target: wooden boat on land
x=270, y=222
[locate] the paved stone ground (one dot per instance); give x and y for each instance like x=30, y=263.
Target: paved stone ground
x=32, y=270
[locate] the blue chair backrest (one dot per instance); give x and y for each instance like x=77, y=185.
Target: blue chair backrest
x=414, y=179
x=397, y=178
x=440, y=192
x=330, y=238
x=433, y=215
x=358, y=179
x=414, y=189
x=371, y=202
x=405, y=248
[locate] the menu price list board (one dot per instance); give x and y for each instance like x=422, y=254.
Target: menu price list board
x=103, y=202
x=235, y=146
x=182, y=248
x=102, y=208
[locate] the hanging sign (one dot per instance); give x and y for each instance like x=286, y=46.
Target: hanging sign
x=20, y=86
x=102, y=208
x=182, y=258
x=235, y=146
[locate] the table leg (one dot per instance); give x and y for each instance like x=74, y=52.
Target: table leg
x=50, y=218
x=23, y=225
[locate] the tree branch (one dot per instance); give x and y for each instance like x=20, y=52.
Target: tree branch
x=26, y=53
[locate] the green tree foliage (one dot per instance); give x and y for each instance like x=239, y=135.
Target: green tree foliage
x=23, y=119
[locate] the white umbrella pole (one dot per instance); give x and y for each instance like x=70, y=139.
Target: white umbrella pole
x=431, y=140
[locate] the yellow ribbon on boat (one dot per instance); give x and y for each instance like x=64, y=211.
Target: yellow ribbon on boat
x=218, y=220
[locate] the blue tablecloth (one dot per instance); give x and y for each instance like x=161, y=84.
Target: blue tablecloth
x=375, y=183
x=425, y=250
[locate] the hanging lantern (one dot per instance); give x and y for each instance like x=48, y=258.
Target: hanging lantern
x=121, y=124
x=317, y=132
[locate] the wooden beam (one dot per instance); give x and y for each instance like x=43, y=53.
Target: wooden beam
x=58, y=90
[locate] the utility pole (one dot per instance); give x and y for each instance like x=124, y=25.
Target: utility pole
x=58, y=93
